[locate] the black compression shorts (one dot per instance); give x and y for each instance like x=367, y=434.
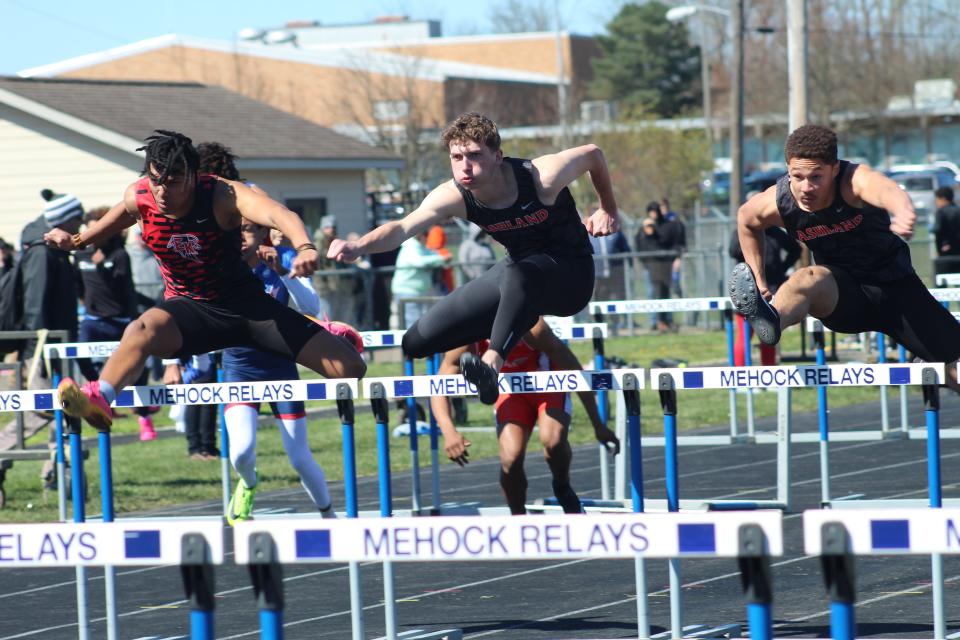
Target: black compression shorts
x=257, y=320
x=903, y=309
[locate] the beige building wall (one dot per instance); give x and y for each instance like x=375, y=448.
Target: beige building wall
x=35, y=154
x=536, y=54
x=313, y=92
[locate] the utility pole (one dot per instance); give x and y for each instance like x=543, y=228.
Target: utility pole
x=705, y=81
x=736, y=109
x=797, y=62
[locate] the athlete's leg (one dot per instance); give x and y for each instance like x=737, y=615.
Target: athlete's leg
x=811, y=291
x=332, y=357
x=554, y=424
x=513, y=481
x=152, y=334
x=293, y=433
x=241, y=422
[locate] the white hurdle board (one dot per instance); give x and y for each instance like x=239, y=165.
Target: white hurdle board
x=888, y=531
x=948, y=280
x=73, y=350
x=946, y=295
x=620, y=307
x=547, y=537
x=832, y=375
x=529, y=382
x=142, y=542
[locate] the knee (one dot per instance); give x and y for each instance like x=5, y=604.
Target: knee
x=553, y=448
x=139, y=330
x=243, y=458
x=414, y=345
x=806, y=278
x=511, y=465
x=516, y=281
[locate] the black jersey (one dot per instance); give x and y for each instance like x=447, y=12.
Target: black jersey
x=857, y=240
x=528, y=226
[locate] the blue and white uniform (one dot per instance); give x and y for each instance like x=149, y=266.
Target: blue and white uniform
x=243, y=364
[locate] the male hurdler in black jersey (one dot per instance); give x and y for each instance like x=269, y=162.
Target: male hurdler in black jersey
x=854, y=221
x=526, y=206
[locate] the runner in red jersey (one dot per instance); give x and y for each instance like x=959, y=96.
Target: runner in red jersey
x=516, y=414
x=212, y=300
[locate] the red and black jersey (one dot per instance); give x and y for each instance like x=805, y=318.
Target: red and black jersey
x=198, y=259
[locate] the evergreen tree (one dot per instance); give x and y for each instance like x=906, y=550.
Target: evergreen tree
x=648, y=64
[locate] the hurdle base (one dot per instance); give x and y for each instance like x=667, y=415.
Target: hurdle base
x=920, y=433
x=550, y=505
x=899, y=503
x=702, y=631
x=420, y=634
x=769, y=437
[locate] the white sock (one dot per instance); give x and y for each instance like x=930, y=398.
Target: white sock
x=107, y=391
x=242, y=431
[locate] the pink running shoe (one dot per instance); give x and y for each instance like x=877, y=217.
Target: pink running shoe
x=345, y=331
x=147, y=432
x=86, y=403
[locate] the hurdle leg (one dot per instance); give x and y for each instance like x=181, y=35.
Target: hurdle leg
x=631, y=400
x=731, y=360
x=904, y=416
x=668, y=401
x=61, y=457
x=838, y=574
x=79, y=515
x=884, y=408
x=197, y=573
x=757, y=582
x=415, y=504
x=432, y=366
x=599, y=363
x=381, y=411
x=784, y=447
x=619, y=462
x=822, y=418
x=106, y=498
x=931, y=402
x=346, y=410
x=225, y=483
x=748, y=361
x=266, y=574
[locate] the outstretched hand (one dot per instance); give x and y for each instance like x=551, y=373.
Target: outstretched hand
x=59, y=239
x=901, y=223
x=608, y=439
x=602, y=223
x=343, y=251
x=305, y=263
x=456, y=446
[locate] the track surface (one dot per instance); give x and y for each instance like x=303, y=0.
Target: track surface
x=571, y=599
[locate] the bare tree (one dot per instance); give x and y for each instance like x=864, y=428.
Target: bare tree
x=520, y=16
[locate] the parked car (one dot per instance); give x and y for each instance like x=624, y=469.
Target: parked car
x=716, y=188
x=920, y=186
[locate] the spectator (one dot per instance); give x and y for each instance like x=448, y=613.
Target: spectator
x=947, y=231
x=200, y=420
x=49, y=295
x=110, y=303
x=476, y=254
x=780, y=253
x=362, y=287
x=659, y=272
x=609, y=271
x=414, y=278
x=673, y=237
x=334, y=289
x=437, y=241
x=669, y=215
x=6, y=256
x=382, y=284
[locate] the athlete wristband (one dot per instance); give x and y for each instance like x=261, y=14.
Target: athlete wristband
x=306, y=246
x=77, y=242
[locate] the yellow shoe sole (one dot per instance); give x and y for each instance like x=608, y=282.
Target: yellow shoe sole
x=77, y=405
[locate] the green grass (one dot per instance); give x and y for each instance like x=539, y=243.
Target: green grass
x=159, y=473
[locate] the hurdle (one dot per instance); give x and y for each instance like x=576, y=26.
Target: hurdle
x=751, y=537
x=679, y=305
x=838, y=536
x=195, y=545
x=948, y=280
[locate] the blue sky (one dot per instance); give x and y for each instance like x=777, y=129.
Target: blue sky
x=38, y=32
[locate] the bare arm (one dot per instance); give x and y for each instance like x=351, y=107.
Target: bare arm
x=454, y=443
x=442, y=203
x=877, y=189
x=558, y=170
x=755, y=215
x=542, y=338
x=120, y=216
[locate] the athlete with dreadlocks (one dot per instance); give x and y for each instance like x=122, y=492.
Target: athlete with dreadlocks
x=191, y=221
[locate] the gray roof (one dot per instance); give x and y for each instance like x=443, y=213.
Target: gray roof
x=250, y=128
